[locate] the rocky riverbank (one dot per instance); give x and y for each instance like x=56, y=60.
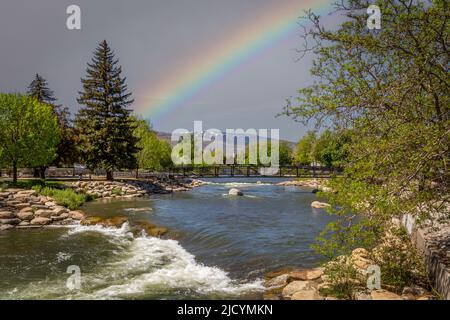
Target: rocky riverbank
x=314, y=284
x=315, y=184
x=24, y=209
x=134, y=188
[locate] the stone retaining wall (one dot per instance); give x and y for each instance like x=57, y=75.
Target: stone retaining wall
x=434, y=244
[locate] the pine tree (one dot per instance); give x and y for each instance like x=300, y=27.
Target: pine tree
x=39, y=90
x=105, y=126
x=66, y=153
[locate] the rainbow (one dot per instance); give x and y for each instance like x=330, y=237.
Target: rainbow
x=179, y=86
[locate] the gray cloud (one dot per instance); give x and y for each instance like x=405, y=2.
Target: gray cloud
x=151, y=38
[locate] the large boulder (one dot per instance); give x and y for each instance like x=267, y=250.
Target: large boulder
x=311, y=294
x=60, y=217
x=294, y=287
x=273, y=294
x=362, y=295
x=151, y=229
x=106, y=222
x=320, y=205
x=311, y=274
x=278, y=281
x=156, y=232
x=384, y=295
x=235, y=192
x=20, y=206
x=414, y=291
x=26, y=193
x=4, y=227
x=77, y=215
x=4, y=194
x=25, y=215
x=43, y=213
x=59, y=210
x=6, y=215
x=40, y=221
x=39, y=207
x=276, y=273
x=12, y=221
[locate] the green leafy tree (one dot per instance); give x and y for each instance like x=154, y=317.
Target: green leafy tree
x=331, y=148
x=390, y=87
x=106, y=129
x=284, y=153
x=66, y=153
x=305, y=148
x=154, y=153
x=29, y=132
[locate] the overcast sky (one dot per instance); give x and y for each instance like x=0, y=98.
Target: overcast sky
x=151, y=38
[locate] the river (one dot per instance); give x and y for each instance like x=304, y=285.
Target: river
x=218, y=246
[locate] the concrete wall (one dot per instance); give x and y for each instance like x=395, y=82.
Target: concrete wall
x=438, y=269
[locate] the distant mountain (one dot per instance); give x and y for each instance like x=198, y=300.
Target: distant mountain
x=167, y=136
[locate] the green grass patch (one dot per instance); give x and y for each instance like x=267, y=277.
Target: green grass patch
x=3, y=186
x=116, y=191
x=64, y=197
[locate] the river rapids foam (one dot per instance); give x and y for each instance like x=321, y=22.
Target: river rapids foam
x=142, y=268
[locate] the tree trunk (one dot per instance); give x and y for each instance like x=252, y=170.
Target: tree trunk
x=42, y=172
x=109, y=175
x=36, y=172
x=14, y=173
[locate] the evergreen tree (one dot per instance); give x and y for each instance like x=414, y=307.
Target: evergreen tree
x=105, y=125
x=39, y=90
x=66, y=153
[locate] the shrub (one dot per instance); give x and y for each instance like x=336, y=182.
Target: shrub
x=116, y=191
x=64, y=197
x=342, y=279
x=400, y=263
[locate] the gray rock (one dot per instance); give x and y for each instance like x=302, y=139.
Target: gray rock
x=279, y=281
x=362, y=296
x=13, y=221
x=414, y=290
x=294, y=287
x=319, y=205
x=235, y=192
x=4, y=227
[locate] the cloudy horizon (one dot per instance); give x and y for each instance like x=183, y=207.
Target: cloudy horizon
x=152, y=39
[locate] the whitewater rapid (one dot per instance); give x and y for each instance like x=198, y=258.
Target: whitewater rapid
x=142, y=267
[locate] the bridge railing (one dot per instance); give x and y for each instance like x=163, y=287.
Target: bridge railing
x=248, y=171
x=186, y=171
